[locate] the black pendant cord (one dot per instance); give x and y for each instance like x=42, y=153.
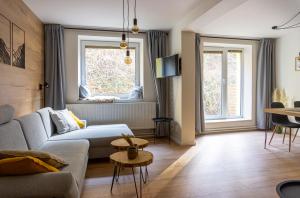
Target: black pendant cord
x=289, y=20
x=135, y=9
x=281, y=27
x=123, y=16
x=296, y=25
x=128, y=21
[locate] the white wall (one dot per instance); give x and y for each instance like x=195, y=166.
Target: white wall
x=72, y=63
x=175, y=88
x=188, y=88
x=182, y=91
x=175, y=40
x=182, y=97
x=288, y=47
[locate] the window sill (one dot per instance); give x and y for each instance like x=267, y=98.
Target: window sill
x=115, y=101
x=227, y=120
x=128, y=100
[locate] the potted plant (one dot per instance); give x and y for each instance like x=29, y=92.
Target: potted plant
x=132, y=150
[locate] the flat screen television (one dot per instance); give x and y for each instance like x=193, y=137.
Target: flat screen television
x=168, y=66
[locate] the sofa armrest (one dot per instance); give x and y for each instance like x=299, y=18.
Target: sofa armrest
x=85, y=123
x=61, y=184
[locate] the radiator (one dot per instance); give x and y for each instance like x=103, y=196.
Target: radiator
x=136, y=115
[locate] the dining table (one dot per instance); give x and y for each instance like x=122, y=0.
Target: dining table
x=295, y=112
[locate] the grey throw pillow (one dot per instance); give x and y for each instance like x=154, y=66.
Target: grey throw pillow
x=84, y=92
x=136, y=93
x=63, y=121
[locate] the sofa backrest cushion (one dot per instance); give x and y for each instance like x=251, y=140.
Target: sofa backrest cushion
x=48, y=123
x=12, y=137
x=6, y=113
x=34, y=130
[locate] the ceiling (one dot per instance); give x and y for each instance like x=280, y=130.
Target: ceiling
x=252, y=18
x=233, y=18
x=152, y=14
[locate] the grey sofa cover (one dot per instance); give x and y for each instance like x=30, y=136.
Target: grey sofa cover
x=37, y=132
x=99, y=136
x=11, y=136
x=28, y=132
x=75, y=153
x=34, y=130
x=7, y=115
x=46, y=185
x=48, y=124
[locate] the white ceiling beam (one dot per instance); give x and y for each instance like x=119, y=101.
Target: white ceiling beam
x=195, y=13
x=215, y=12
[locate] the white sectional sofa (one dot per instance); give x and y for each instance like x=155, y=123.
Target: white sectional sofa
x=37, y=132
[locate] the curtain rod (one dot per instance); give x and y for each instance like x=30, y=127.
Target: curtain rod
x=99, y=30
x=230, y=38
x=103, y=30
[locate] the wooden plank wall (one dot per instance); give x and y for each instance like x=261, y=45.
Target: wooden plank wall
x=20, y=87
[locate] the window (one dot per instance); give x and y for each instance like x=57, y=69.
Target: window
x=222, y=83
x=104, y=71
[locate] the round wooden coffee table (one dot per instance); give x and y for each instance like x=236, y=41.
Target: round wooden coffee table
x=121, y=143
x=120, y=159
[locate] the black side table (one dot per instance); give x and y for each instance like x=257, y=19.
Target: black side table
x=158, y=122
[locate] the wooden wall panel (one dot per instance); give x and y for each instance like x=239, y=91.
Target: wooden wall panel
x=20, y=87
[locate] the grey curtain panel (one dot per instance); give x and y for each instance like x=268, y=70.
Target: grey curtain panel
x=157, y=47
x=198, y=92
x=266, y=80
x=54, y=67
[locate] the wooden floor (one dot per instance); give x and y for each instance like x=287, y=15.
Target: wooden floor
x=221, y=165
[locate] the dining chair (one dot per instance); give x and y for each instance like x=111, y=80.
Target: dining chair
x=283, y=121
x=296, y=105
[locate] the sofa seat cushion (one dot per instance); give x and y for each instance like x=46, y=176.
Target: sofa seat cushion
x=98, y=135
x=74, y=152
x=61, y=184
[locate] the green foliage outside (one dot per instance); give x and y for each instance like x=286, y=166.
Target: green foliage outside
x=107, y=74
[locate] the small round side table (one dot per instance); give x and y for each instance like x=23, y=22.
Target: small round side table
x=120, y=159
x=121, y=143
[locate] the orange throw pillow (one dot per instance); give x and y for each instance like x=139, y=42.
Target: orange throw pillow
x=77, y=120
x=24, y=166
x=48, y=158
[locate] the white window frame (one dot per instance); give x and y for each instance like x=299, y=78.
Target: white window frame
x=110, y=44
x=224, y=76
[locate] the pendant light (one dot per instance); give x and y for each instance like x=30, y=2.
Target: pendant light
x=128, y=59
x=123, y=44
x=135, y=28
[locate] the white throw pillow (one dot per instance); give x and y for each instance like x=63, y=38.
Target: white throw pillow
x=63, y=121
